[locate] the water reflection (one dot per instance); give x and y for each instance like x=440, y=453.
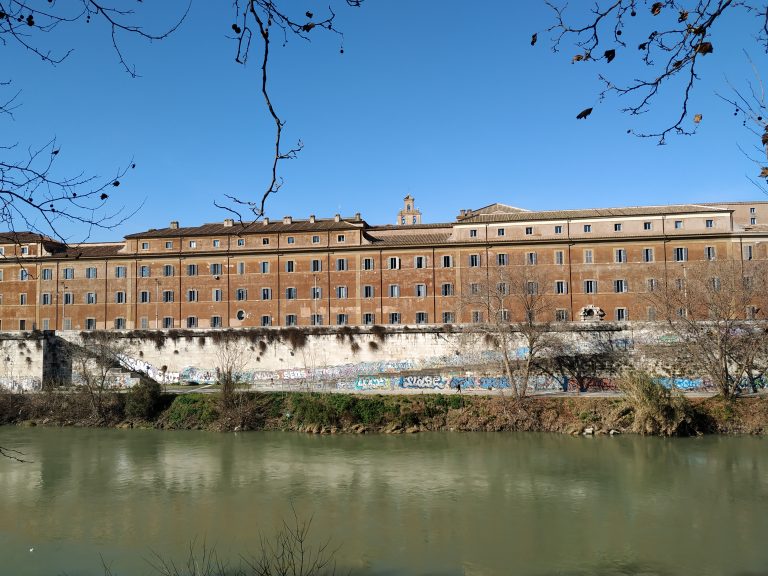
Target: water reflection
x=433, y=503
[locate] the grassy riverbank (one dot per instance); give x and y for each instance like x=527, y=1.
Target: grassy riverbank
x=351, y=413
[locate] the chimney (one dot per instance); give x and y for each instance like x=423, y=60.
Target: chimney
x=357, y=217
x=265, y=221
x=337, y=218
x=228, y=222
x=287, y=219
x=311, y=218
x=174, y=224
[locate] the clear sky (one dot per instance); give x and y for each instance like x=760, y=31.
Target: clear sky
x=444, y=100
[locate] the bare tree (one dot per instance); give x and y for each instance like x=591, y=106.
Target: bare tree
x=667, y=39
x=716, y=311
x=231, y=360
x=93, y=363
x=513, y=310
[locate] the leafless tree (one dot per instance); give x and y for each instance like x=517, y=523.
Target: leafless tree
x=667, y=39
x=93, y=363
x=716, y=311
x=515, y=308
x=231, y=360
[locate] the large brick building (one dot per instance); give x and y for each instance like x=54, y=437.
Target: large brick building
x=345, y=271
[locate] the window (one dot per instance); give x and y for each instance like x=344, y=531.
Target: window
x=144, y=296
x=23, y=274
x=394, y=291
x=531, y=258
x=715, y=284
x=367, y=263
x=264, y=267
x=681, y=254
x=317, y=266
x=217, y=244
x=752, y=210
x=474, y=260
x=588, y=256
x=680, y=283
x=241, y=267
x=502, y=288
x=682, y=312
x=266, y=293
x=290, y=240
x=617, y=227
x=265, y=241
x=90, y=323
x=709, y=252
x=620, y=255
x=447, y=289
x=647, y=254
x=168, y=270
x=620, y=286
x=678, y=224
x=119, y=323
x=394, y=263
x=528, y=230
x=752, y=312
x=753, y=221
x=316, y=319
x=25, y=250
x=532, y=287
x=621, y=315
x=559, y=257
x=92, y=272
x=474, y=288
x=590, y=286
x=241, y=241
x=143, y=271
x=290, y=319
x=473, y=233
x=290, y=266
x=316, y=292
x=68, y=273
x=587, y=227
x=45, y=298
x=652, y=284
x=503, y=315
x=368, y=318
x=651, y=313
x=167, y=295
x=421, y=317
x=561, y=315
x=447, y=262
x=193, y=243
x=500, y=232
x=558, y=229
x=241, y=294
x=168, y=245
x=191, y=295
x=342, y=319
x=266, y=320
x=419, y=262
x=167, y=322
x=748, y=252
x=67, y=324
x=448, y=318
x=90, y=297
x=710, y=223
x=340, y=238
x=191, y=321
x=421, y=290
x=368, y=291
x=315, y=239
x=119, y=297
x=145, y=245
x=215, y=269
x=561, y=287
x=477, y=316
x=341, y=264
x=394, y=317
x=69, y=298
x=191, y=269
x=47, y=273
x=217, y=295
x=215, y=321
x=501, y=259
x=290, y=293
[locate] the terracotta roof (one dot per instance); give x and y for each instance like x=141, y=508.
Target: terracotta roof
x=237, y=229
x=410, y=239
x=89, y=251
x=594, y=213
x=410, y=226
x=24, y=237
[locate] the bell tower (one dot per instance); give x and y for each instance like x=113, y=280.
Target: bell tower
x=408, y=215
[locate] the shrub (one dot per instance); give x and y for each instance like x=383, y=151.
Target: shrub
x=657, y=411
x=143, y=400
x=192, y=411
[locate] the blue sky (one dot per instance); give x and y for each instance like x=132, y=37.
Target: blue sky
x=444, y=100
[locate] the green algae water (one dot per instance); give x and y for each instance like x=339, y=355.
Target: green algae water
x=436, y=503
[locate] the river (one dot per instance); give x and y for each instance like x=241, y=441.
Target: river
x=435, y=503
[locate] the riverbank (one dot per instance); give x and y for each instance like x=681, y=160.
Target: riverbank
x=391, y=414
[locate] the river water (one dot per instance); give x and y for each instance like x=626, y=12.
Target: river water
x=435, y=503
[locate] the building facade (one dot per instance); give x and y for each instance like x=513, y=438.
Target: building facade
x=343, y=271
